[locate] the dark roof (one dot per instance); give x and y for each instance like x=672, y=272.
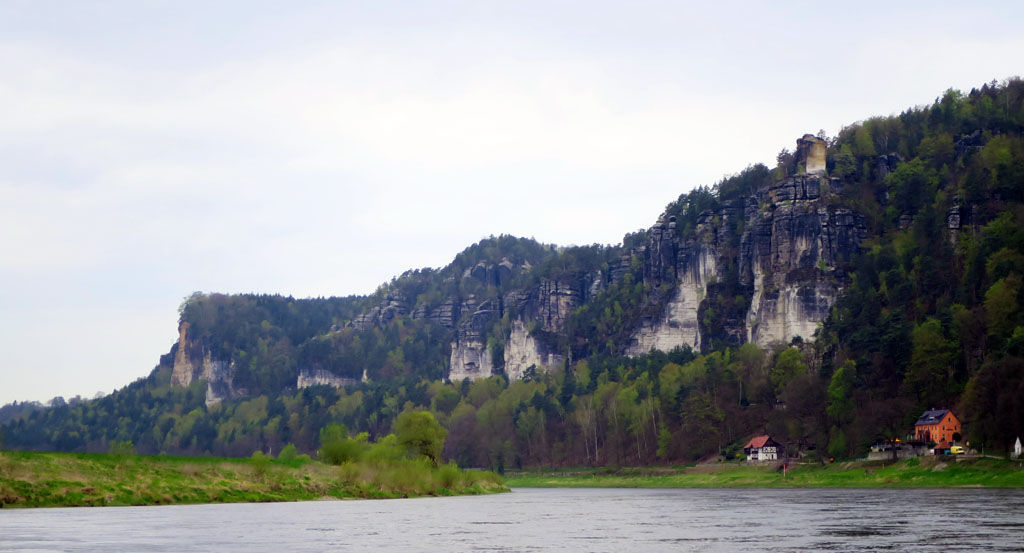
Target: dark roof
x=933, y=416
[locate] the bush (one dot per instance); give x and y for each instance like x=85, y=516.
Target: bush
x=353, y=474
x=449, y=475
x=385, y=450
x=122, y=448
x=337, y=448
x=260, y=464
x=342, y=451
x=289, y=453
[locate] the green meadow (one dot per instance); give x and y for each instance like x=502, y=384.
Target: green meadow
x=32, y=479
x=923, y=472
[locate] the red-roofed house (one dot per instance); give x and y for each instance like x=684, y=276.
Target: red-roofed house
x=762, y=448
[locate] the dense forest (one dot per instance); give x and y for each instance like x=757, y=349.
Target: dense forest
x=930, y=316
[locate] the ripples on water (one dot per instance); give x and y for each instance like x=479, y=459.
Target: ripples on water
x=610, y=520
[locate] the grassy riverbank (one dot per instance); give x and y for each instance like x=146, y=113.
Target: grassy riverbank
x=31, y=479
x=924, y=472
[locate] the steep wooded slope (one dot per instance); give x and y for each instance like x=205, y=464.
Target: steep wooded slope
x=863, y=278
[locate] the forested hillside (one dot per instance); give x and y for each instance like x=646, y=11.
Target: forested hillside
x=828, y=309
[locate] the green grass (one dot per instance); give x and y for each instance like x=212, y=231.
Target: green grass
x=925, y=472
x=32, y=479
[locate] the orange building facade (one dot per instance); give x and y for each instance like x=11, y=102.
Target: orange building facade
x=936, y=425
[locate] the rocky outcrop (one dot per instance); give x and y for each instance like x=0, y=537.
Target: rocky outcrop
x=790, y=253
x=886, y=164
x=471, y=358
x=688, y=269
x=394, y=306
x=523, y=351
x=182, y=372
x=548, y=306
x=550, y=303
x=792, y=242
x=491, y=274
x=969, y=142
x=193, y=362
x=762, y=268
x=321, y=377
x=446, y=314
x=810, y=153
x=954, y=220
x=678, y=325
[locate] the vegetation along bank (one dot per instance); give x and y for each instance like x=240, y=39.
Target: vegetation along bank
x=402, y=464
x=918, y=472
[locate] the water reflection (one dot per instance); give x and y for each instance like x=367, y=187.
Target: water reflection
x=549, y=520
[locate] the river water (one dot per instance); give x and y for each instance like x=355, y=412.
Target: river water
x=611, y=520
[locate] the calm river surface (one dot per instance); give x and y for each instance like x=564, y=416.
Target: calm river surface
x=548, y=520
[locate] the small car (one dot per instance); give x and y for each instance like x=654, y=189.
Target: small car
x=957, y=450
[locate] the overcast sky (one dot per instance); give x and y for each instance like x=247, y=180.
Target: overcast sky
x=151, y=149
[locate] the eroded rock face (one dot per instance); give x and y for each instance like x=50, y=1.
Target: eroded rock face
x=811, y=151
x=795, y=189
x=394, y=306
x=554, y=302
x=792, y=242
x=885, y=164
x=471, y=358
x=791, y=311
x=790, y=255
x=763, y=268
x=523, y=350
x=182, y=372
x=320, y=377
x=548, y=305
x=193, y=362
x=446, y=314
x=493, y=274
x=678, y=324
x=792, y=252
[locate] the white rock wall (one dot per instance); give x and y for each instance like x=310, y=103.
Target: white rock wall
x=794, y=311
x=320, y=377
x=522, y=350
x=218, y=375
x=781, y=310
x=471, y=360
x=678, y=325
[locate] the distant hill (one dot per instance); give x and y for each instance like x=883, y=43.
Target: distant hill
x=827, y=300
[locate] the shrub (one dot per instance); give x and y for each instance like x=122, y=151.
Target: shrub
x=385, y=450
x=122, y=448
x=260, y=464
x=336, y=448
x=288, y=453
x=449, y=475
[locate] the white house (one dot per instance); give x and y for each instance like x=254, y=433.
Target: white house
x=762, y=448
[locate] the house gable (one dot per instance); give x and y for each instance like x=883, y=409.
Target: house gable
x=762, y=448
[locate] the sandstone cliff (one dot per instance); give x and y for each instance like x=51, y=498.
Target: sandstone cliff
x=192, y=361
x=793, y=239
x=762, y=266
